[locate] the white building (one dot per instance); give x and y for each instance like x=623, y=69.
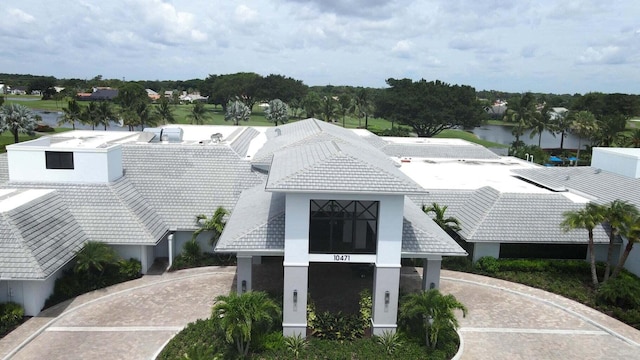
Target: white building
x=305, y=192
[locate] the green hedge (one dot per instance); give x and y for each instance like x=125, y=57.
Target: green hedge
x=11, y=315
x=73, y=283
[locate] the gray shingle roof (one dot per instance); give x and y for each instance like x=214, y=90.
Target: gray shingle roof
x=421, y=235
x=491, y=216
x=4, y=168
x=256, y=224
x=448, y=151
x=240, y=143
x=452, y=199
x=332, y=167
x=113, y=213
x=182, y=181
x=305, y=132
x=38, y=238
x=604, y=186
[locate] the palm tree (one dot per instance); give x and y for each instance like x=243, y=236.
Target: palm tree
x=449, y=224
x=587, y=218
x=94, y=257
x=329, y=108
x=237, y=111
x=562, y=126
x=242, y=317
x=616, y=214
x=17, y=119
x=584, y=124
x=165, y=112
x=363, y=105
x=436, y=311
x=344, y=106
x=146, y=115
x=540, y=123
x=89, y=115
x=72, y=113
x=521, y=110
x=631, y=231
x=198, y=114
x=277, y=112
x=105, y=114
x=215, y=224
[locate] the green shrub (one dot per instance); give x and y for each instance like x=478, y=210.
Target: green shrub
x=366, y=307
x=622, y=291
x=129, y=269
x=191, y=251
x=11, y=315
x=488, y=265
x=197, y=337
x=295, y=345
x=390, y=341
x=457, y=263
x=337, y=326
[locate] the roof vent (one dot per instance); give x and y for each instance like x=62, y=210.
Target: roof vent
x=172, y=135
x=216, y=138
x=597, y=171
x=155, y=137
x=278, y=132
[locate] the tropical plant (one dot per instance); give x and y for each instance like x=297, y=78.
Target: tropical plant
x=89, y=115
x=198, y=114
x=237, y=111
x=344, y=106
x=215, y=224
x=277, y=112
x=434, y=310
x=94, y=257
x=562, y=125
x=583, y=124
x=295, y=344
x=521, y=111
x=17, y=119
x=390, y=341
x=540, y=123
x=191, y=251
x=587, y=218
x=363, y=106
x=72, y=113
x=105, y=114
x=145, y=114
x=616, y=214
x=449, y=224
x=241, y=318
x=165, y=112
x=329, y=108
x=631, y=231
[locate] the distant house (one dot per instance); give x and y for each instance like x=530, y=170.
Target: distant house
x=192, y=97
x=557, y=112
x=98, y=94
x=18, y=90
x=152, y=94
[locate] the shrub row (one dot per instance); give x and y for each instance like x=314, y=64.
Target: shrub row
x=74, y=283
x=11, y=315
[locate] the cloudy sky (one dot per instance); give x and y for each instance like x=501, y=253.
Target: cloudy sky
x=547, y=46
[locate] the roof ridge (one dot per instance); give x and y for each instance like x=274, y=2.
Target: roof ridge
x=113, y=188
x=17, y=234
x=487, y=210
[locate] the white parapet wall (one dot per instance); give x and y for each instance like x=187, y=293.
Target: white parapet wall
x=621, y=161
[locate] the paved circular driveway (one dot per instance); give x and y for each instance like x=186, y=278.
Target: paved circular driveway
x=135, y=319
x=127, y=321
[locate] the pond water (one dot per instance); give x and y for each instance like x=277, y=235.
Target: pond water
x=502, y=134
x=51, y=119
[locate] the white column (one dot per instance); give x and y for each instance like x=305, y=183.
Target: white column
x=144, y=260
x=244, y=274
x=294, y=300
x=431, y=273
x=171, y=247
x=386, y=286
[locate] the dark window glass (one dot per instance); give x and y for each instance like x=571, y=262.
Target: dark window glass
x=543, y=251
x=59, y=159
x=341, y=226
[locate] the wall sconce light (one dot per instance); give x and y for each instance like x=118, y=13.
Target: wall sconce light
x=432, y=286
x=244, y=286
x=386, y=297
x=295, y=296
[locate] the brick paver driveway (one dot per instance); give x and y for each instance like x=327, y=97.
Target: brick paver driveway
x=127, y=321
x=134, y=320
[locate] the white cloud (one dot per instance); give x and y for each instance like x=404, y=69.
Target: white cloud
x=402, y=48
x=245, y=15
x=21, y=16
x=603, y=55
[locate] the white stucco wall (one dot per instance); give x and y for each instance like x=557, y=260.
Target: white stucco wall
x=144, y=253
x=633, y=261
x=622, y=161
x=31, y=294
x=28, y=163
x=485, y=249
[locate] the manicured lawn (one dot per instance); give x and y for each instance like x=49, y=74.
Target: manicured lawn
x=465, y=135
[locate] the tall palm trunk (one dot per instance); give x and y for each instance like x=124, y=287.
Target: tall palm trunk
x=592, y=258
x=623, y=259
x=607, y=270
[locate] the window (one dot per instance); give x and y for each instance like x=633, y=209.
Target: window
x=342, y=226
x=59, y=160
